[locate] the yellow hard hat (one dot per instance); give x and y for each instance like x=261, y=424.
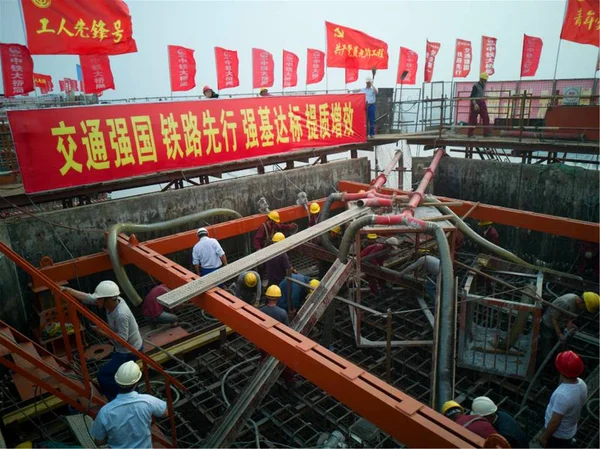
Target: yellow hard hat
x=250, y=279
x=361, y=191
x=371, y=236
x=424, y=252
x=449, y=405
x=337, y=230
x=485, y=223
x=592, y=301
x=263, y=89
x=483, y=76
x=278, y=237
x=315, y=208
x=273, y=291
x=314, y=283
x=274, y=215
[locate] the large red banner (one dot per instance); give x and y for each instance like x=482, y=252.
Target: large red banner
x=97, y=76
x=182, y=68
x=75, y=27
x=408, y=63
x=315, y=66
x=463, y=55
x=263, y=69
x=290, y=69
x=530, y=59
x=43, y=82
x=17, y=69
x=65, y=147
x=488, y=55
x=347, y=47
x=431, y=52
x=227, y=68
x=582, y=22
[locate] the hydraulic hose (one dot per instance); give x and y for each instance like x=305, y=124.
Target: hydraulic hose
x=324, y=216
x=117, y=228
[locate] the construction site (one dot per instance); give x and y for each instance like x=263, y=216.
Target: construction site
x=376, y=350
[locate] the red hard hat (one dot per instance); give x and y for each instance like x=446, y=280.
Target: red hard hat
x=205, y=88
x=569, y=364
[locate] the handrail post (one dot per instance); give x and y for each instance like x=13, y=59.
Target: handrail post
x=146, y=377
x=63, y=327
x=171, y=411
x=521, y=113
x=79, y=344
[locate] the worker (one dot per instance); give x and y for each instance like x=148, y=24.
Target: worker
x=371, y=239
x=278, y=267
x=207, y=255
x=479, y=107
x=125, y=422
x=314, y=210
x=121, y=321
x=475, y=423
x=264, y=234
x=272, y=296
x=489, y=232
x=264, y=92
x=248, y=287
x=564, y=409
x=370, y=92
x=377, y=254
x=504, y=423
x=209, y=93
x=155, y=312
x=298, y=292
x=554, y=321
x=589, y=259
x=430, y=265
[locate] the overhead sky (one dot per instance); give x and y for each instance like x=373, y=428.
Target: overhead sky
x=298, y=25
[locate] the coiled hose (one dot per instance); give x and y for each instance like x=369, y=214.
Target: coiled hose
x=116, y=229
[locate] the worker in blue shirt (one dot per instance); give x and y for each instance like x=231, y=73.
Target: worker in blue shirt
x=298, y=292
x=370, y=92
x=125, y=421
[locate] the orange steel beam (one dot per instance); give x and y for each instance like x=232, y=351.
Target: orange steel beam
x=396, y=413
x=549, y=224
x=98, y=262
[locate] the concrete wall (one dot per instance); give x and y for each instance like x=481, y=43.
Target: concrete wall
x=34, y=238
x=555, y=189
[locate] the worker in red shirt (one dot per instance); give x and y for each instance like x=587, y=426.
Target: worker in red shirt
x=266, y=231
x=489, y=232
x=377, y=254
x=475, y=423
x=314, y=210
x=155, y=312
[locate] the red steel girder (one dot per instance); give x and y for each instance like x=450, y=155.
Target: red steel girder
x=549, y=224
x=394, y=412
x=98, y=262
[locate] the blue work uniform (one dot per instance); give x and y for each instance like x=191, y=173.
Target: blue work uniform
x=298, y=292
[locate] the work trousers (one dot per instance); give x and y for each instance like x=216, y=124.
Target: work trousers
x=371, y=119
x=483, y=112
x=559, y=442
x=106, y=374
x=163, y=318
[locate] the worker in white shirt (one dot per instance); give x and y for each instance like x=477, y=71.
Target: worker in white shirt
x=430, y=266
x=207, y=255
x=370, y=92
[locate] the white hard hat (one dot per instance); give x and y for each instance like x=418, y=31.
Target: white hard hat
x=106, y=289
x=483, y=406
x=368, y=79
x=202, y=231
x=128, y=374
x=392, y=241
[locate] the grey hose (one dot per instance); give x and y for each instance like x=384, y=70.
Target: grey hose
x=117, y=228
x=324, y=216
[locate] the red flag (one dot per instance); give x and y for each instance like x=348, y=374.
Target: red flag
x=488, y=55
x=431, y=52
x=347, y=47
x=351, y=75
x=290, y=69
x=263, y=69
x=408, y=63
x=182, y=67
x=75, y=27
x=315, y=66
x=97, y=76
x=582, y=22
x=74, y=85
x=530, y=59
x=43, y=82
x=227, y=68
x=63, y=85
x=17, y=69
x=463, y=56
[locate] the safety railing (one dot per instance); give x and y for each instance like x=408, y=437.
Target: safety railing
x=74, y=309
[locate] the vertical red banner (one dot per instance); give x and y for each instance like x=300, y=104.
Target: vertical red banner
x=315, y=66
x=73, y=84
x=530, y=59
x=228, y=65
x=488, y=55
x=43, y=82
x=463, y=55
x=263, y=69
x=408, y=63
x=17, y=69
x=182, y=68
x=582, y=22
x=431, y=52
x=350, y=75
x=97, y=75
x=290, y=69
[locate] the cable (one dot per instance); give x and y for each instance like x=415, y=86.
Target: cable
x=181, y=362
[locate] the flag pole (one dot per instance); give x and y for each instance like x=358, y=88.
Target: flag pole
x=558, y=56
